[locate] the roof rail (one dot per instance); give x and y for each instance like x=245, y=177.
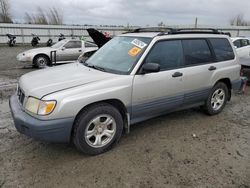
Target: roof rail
x=151, y=29
x=169, y=31
x=206, y=30
x=196, y=31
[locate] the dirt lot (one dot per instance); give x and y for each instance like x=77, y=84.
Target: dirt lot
x=183, y=149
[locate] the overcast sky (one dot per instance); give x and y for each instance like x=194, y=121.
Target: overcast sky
x=138, y=12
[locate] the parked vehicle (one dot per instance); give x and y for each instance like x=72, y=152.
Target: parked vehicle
x=61, y=37
x=35, y=40
x=65, y=51
x=134, y=77
x=49, y=42
x=242, y=46
x=12, y=40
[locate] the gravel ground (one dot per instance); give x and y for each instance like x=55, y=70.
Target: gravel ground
x=182, y=149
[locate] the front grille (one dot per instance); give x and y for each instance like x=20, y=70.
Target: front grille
x=20, y=95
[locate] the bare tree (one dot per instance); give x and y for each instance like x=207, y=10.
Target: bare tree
x=5, y=15
x=239, y=20
x=52, y=16
x=55, y=17
x=161, y=24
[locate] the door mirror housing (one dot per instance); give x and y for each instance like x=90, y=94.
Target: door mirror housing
x=63, y=48
x=150, y=68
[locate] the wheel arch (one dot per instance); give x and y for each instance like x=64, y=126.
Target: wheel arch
x=118, y=104
x=228, y=83
x=41, y=54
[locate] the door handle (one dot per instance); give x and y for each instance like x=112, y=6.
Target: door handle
x=177, y=74
x=80, y=50
x=212, y=68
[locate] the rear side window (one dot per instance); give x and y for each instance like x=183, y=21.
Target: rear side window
x=73, y=44
x=222, y=49
x=168, y=54
x=196, y=51
x=245, y=42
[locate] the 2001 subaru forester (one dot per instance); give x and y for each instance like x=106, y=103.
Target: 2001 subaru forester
x=134, y=77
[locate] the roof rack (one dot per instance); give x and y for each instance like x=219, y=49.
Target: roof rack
x=169, y=31
x=151, y=29
x=196, y=31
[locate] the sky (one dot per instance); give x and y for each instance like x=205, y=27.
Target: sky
x=138, y=12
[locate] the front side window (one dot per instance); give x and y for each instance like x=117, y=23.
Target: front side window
x=73, y=44
x=237, y=43
x=168, y=54
x=222, y=49
x=196, y=51
x=119, y=55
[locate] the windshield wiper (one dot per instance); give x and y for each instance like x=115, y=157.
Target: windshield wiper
x=94, y=67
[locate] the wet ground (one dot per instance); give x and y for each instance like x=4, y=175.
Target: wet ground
x=182, y=149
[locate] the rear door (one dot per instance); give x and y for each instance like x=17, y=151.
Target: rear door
x=156, y=93
x=199, y=64
x=202, y=59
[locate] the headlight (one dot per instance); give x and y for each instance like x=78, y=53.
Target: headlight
x=39, y=107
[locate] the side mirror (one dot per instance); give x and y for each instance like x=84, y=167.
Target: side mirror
x=150, y=68
x=235, y=47
x=63, y=48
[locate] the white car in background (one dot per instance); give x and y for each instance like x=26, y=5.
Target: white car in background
x=242, y=45
x=65, y=51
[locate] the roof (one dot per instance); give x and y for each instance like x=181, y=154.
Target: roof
x=237, y=38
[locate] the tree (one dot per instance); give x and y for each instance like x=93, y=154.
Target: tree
x=5, y=15
x=52, y=17
x=161, y=24
x=239, y=20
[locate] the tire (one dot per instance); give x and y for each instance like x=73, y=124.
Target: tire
x=102, y=136
x=41, y=61
x=217, y=99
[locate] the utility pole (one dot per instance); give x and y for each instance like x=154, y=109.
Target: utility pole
x=196, y=22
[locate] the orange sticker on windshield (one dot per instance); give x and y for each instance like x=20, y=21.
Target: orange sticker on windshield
x=134, y=51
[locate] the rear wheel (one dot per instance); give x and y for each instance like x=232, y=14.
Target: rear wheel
x=217, y=99
x=97, y=129
x=41, y=61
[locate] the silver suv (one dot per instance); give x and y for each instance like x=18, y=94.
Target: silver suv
x=133, y=77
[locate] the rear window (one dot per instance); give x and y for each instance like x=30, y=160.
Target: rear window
x=88, y=45
x=196, y=51
x=222, y=49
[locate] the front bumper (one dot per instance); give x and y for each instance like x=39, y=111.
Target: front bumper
x=23, y=58
x=58, y=130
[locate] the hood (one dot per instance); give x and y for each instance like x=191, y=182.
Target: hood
x=43, y=82
x=99, y=38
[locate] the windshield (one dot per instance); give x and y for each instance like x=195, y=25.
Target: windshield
x=119, y=55
x=58, y=44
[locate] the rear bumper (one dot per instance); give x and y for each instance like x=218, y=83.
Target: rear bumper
x=239, y=85
x=58, y=130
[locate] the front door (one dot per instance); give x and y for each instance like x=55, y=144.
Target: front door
x=157, y=93
x=70, y=51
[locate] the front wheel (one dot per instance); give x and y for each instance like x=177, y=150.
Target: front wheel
x=217, y=99
x=97, y=129
x=41, y=61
